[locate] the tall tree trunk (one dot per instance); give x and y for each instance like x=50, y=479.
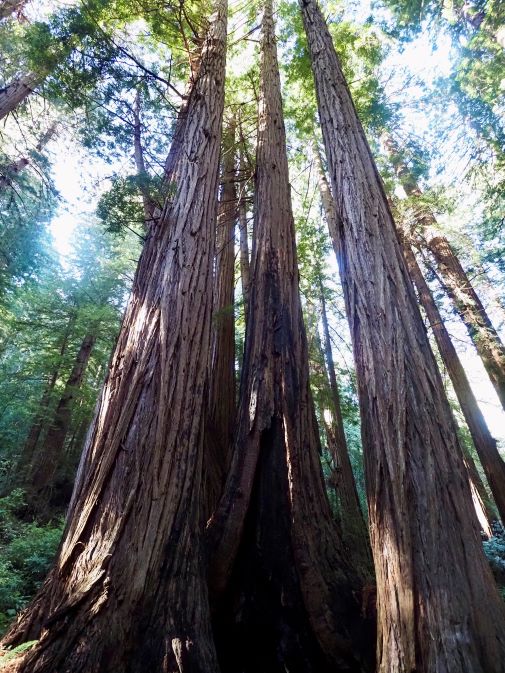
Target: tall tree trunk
x=221, y=413
x=438, y=606
x=484, y=442
x=353, y=526
x=49, y=456
x=128, y=591
x=140, y=166
x=16, y=92
x=244, y=238
x=40, y=418
x=274, y=545
x=456, y=282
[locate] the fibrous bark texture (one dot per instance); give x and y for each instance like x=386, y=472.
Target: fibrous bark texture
x=274, y=546
x=484, y=442
x=16, y=92
x=221, y=414
x=128, y=591
x=352, y=522
x=456, y=282
x=438, y=606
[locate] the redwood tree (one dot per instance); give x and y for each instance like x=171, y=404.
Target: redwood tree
x=128, y=591
x=455, y=281
x=438, y=606
x=221, y=413
x=286, y=596
x=484, y=442
x=50, y=454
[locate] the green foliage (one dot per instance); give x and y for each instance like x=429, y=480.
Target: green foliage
x=494, y=548
x=26, y=553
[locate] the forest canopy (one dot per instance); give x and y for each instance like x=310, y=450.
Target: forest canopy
x=252, y=360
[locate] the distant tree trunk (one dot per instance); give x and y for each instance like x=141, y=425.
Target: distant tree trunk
x=275, y=551
x=354, y=529
x=438, y=606
x=244, y=239
x=149, y=205
x=16, y=92
x=49, y=456
x=456, y=282
x=128, y=591
x=484, y=442
x=40, y=418
x=8, y=7
x=220, y=422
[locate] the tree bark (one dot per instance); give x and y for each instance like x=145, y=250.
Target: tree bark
x=456, y=282
x=244, y=239
x=274, y=545
x=40, y=418
x=8, y=7
x=49, y=456
x=128, y=591
x=16, y=92
x=438, y=606
x=221, y=413
x=353, y=526
x=150, y=207
x=484, y=443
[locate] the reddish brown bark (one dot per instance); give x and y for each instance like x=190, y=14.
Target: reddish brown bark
x=16, y=92
x=484, y=442
x=274, y=545
x=128, y=590
x=438, y=606
x=244, y=250
x=221, y=413
x=352, y=522
x=456, y=282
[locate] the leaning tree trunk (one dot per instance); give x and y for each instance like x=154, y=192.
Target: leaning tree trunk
x=353, y=526
x=456, y=282
x=128, y=591
x=51, y=452
x=16, y=92
x=438, y=606
x=290, y=598
x=220, y=422
x=484, y=443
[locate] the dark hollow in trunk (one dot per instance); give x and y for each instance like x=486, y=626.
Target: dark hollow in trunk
x=289, y=589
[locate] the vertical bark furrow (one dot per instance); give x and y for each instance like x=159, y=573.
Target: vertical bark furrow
x=455, y=280
x=274, y=508
x=221, y=413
